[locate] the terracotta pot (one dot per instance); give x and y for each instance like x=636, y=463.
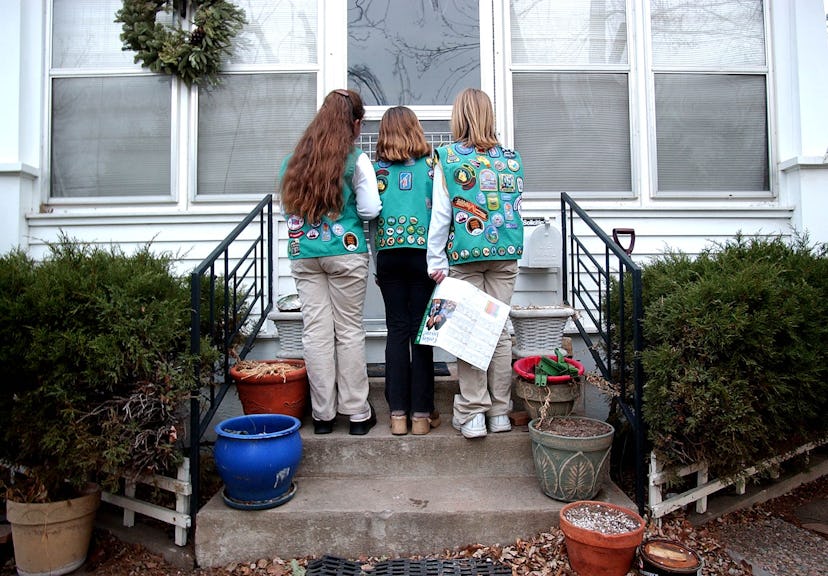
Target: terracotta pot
x=52, y=538
x=561, y=391
x=593, y=552
x=272, y=393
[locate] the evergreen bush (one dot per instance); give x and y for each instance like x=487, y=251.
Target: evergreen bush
x=96, y=366
x=734, y=357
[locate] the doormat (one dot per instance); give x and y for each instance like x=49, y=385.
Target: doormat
x=378, y=370
x=333, y=566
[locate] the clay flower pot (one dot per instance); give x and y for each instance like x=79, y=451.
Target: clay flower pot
x=601, y=538
x=272, y=386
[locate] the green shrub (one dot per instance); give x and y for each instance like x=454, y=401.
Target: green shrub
x=96, y=365
x=734, y=356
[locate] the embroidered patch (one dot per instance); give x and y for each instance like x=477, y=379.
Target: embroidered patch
x=507, y=182
x=405, y=180
x=350, y=241
x=295, y=222
x=474, y=226
x=488, y=180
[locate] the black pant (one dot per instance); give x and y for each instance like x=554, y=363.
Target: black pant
x=402, y=276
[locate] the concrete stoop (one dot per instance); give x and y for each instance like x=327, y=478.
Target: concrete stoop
x=384, y=495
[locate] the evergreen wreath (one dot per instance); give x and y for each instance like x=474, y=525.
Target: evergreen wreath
x=195, y=55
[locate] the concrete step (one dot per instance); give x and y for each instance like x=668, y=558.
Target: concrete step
x=381, y=516
x=384, y=495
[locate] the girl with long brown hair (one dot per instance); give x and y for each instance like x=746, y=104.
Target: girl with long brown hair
x=328, y=188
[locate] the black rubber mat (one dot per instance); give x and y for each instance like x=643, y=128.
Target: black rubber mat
x=333, y=566
x=378, y=370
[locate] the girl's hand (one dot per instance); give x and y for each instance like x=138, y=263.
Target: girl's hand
x=438, y=275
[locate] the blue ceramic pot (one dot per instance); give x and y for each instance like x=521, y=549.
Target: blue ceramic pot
x=257, y=457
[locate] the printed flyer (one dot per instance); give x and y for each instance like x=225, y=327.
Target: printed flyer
x=463, y=321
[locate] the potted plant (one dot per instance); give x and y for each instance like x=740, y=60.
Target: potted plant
x=94, y=349
x=601, y=538
x=571, y=454
x=547, y=379
x=272, y=386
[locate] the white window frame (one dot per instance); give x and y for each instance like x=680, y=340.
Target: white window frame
x=649, y=77
x=506, y=107
x=176, y=113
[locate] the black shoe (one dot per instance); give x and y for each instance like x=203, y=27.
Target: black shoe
x=323, y=426
x=362, y=428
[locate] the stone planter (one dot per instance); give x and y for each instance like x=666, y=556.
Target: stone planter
x=572, y=461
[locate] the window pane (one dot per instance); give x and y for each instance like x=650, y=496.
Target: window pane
x=573, y=132
x=576, y=32
x=282, y=32
x=712, y=132
x=247, y=126
x=414, y=53
x=85, y=35
x=708, y=33
x=111, y=136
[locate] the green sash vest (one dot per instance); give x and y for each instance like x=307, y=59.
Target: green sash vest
x=344, y=235
x=405, y=189
x=484, y=187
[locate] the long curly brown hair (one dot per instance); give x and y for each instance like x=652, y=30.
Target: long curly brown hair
x=312, y=182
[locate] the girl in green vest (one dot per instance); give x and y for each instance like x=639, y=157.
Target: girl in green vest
x=404, y=177
x=476, y=235
x=328, y=188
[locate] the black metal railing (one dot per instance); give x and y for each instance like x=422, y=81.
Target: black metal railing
x=594, y=263
x=231, y=294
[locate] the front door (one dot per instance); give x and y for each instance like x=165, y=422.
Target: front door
x=419, y=54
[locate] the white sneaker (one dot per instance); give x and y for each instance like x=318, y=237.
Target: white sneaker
x=474, y=428
x=499, y=424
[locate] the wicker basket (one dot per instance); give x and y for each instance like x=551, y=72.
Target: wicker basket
x=289, y=331
x=539, y=330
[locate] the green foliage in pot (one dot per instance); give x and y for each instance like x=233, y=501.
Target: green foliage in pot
x=94, y=354
x=735, y=358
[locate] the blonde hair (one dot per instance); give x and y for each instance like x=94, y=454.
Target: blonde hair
x=312, y=183
x=473, y=120
x=401, y=136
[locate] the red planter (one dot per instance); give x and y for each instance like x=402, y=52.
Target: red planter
x=273, y=393
x=525, y=368
x=592, y=552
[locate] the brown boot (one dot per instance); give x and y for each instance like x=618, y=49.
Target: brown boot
x=422, y=425
x=399, y=425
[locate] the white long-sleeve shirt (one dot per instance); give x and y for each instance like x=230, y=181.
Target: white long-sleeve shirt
x=440, y=224
x=364, y=183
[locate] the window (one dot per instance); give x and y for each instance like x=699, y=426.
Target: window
x=413, y=53
x=116, y=128
x=710, y=90
x=570, y=85
x=250, y=122
x=110, y=125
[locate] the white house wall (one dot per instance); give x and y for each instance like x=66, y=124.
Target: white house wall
x=799, y=175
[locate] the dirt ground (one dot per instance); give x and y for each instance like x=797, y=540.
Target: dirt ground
x=544, y=554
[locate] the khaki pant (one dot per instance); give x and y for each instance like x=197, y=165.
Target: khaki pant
x=487, y=392
x=332, y=291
